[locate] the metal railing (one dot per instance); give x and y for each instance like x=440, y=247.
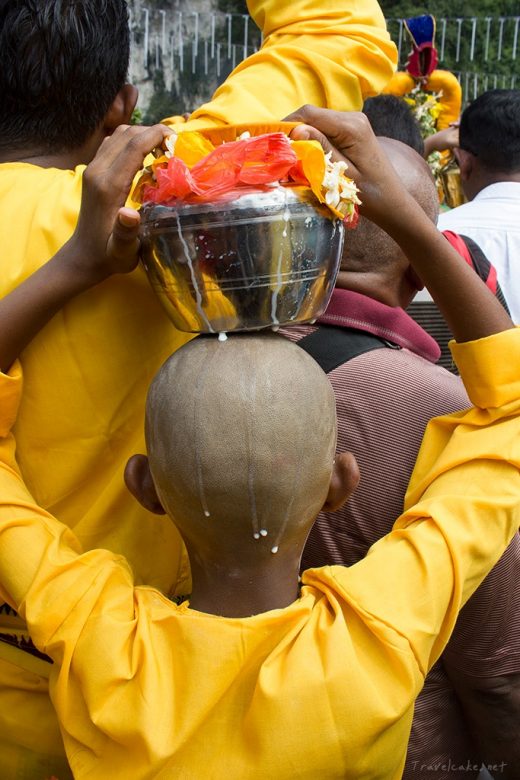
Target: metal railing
x=482, y=51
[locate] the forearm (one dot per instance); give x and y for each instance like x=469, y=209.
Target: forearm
x=430, y=145
x=470, y=309
x=446, y=139
x=105, y=241
x=26, y=310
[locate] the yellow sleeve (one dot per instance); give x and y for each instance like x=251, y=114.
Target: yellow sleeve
x=10, y=396
x=330, y=53
x=43, y=573
x=461, y=510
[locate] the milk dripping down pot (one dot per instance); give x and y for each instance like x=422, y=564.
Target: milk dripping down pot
x=261, y=260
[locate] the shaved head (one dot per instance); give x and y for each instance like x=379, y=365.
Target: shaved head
x=241, y=437
x=368, y=248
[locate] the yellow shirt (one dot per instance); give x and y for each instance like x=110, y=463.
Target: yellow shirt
x=88, y=371
x=321, y=689
x=76, y=431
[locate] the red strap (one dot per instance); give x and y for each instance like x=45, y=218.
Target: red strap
x=458, y=243
x=479, y=262
x=492, y=281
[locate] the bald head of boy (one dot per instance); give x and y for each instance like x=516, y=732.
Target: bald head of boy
x=241, y=438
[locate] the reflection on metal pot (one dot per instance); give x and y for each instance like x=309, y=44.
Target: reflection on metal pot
x=265, y=259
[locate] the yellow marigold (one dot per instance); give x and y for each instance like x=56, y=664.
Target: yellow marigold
x=435, y=110
x=191, y=147
x=439, y=81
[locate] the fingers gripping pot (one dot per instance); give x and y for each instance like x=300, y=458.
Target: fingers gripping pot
x=263, y=259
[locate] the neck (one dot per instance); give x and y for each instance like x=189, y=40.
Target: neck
x=231, y=590
x=65, y=160
x=479, y=182
x=394, y=290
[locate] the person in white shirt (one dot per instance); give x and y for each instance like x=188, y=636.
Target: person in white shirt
x=489, y=159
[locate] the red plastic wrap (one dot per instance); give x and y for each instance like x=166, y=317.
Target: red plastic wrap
x=248, y=163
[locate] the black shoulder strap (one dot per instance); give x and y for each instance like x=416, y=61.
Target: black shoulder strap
x=331, y=346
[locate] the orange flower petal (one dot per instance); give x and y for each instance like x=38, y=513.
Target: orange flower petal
x=158, y=162
x=311, y=159
x=192, y=147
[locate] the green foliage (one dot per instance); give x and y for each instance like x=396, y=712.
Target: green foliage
x=191, y=85
x=160, y=105
x=232, y=6
x=190, y=89
x=137, y=117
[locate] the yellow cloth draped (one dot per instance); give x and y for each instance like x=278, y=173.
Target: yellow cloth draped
x=321, y=689
x=88, y=371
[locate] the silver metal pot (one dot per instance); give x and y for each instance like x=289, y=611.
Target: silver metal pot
x=264, y=259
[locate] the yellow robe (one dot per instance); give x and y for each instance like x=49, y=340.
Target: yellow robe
x=88, y=371
x=321, y=689
x=323, y=52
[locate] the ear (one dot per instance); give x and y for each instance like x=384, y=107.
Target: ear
x=345, y=479
x=138, y=479
x=412, y=278
x=120, y=112
x=466, y=161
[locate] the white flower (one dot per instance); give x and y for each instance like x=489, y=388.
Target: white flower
x=170, y=144
x=337, y=186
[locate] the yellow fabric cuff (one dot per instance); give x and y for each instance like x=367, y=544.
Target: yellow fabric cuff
x=490, y=368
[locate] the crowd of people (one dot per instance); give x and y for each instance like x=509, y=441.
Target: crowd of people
x=142, y=636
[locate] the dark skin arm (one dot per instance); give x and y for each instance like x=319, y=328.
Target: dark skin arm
x=491, y=705
x=444, y=139
x=469, y=308
x=105, y=241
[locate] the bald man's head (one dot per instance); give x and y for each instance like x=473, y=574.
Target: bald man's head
x=241, y=439
x=370, y=249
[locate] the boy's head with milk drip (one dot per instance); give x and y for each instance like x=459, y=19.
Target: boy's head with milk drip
x=241, y=437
